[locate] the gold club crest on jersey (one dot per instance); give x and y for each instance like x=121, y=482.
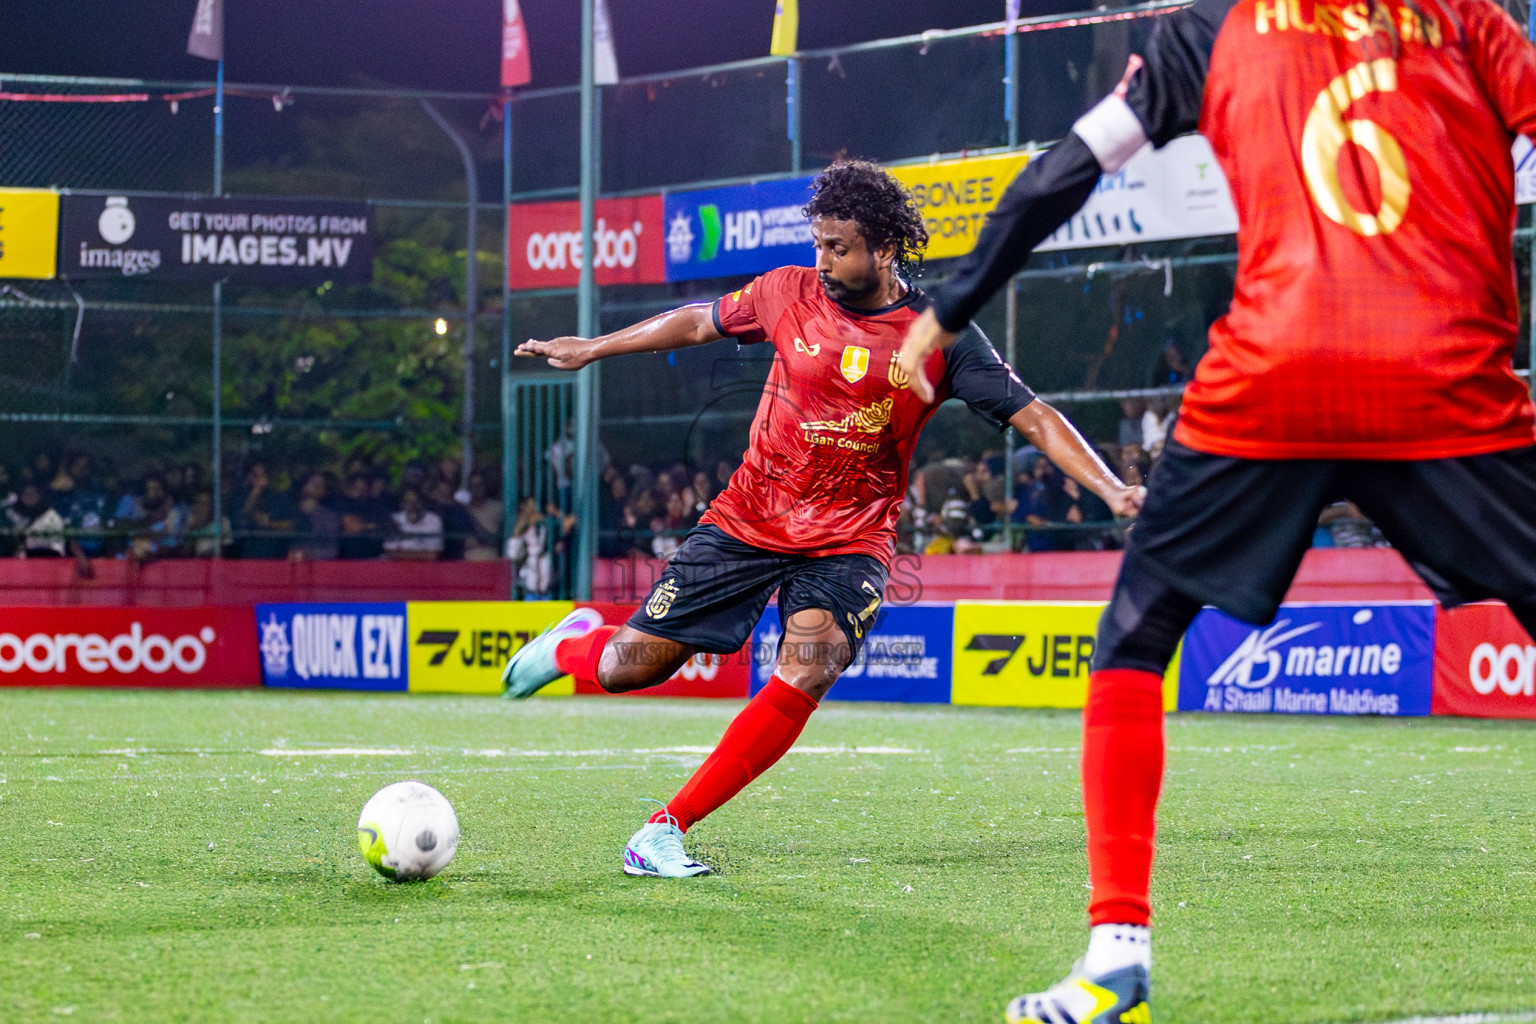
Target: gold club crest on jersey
x=895, y=374
x=855, y=363
x=661, y=599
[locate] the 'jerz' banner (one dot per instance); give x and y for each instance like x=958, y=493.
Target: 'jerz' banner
x=462, y=646
x=172, y=647
x=1178, y=191
x=1314, y=659
x=333, y=646
x=905, y=658
x=273, y=241
x=744, y=229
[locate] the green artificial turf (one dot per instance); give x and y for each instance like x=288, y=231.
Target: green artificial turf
x=160, y=865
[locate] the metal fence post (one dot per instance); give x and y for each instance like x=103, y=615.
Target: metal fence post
x=508, y=467
x=216, y=469
x=583, y=489
x=792, y=88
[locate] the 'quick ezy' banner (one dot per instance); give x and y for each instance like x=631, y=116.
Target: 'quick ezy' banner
x=744, y=229
x=333, y=646
x=1313, y=659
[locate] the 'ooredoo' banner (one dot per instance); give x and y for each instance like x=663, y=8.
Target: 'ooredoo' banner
x=179, y=647
x=1485, y=664
x=545, y=241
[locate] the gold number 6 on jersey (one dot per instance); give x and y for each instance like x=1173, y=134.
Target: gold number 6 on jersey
x=1322, y=142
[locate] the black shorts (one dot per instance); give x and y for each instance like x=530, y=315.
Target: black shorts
x=1231, y=532
x=715, y=589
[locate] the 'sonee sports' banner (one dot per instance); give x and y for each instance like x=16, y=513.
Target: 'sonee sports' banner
x=173, y=647
x=29, y=233
x=905, y=657
x=1313, y=659
x=1485, y=664
x=744, y=229
x=332, y=646
x=703, y=675
x=545, y=242
x=462, y=646
x=1029, y=655
x=1178, y=191
x=956, y=196
x=275, y=241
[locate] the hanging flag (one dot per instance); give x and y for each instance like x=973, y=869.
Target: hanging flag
x=605, y=63
x=515, y=69
x=207, y=37
x=1013, y=16
x=786, y=28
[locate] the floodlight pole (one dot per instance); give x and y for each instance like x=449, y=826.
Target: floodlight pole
x=217, y=468
x=1011, y=308
x=471, y=283
x=584, y=484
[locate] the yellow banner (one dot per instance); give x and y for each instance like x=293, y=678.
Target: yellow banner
x=1027, y=655
x=461, y=646
x=955, y=197
x=29, y=233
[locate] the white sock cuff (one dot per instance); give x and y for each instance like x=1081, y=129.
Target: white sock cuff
x=1115, y=946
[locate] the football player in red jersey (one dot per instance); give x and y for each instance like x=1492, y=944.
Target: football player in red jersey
x=812, y=511
x=1366, y=357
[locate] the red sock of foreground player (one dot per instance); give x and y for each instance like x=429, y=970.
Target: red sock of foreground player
x=1122, y=774
x=764, y=731
x=579, y=655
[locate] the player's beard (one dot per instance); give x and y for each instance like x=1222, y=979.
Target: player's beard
x=843, y=291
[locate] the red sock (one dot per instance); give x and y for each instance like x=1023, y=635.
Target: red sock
x=578, y=656
x=1122, y=774
x=764, y=731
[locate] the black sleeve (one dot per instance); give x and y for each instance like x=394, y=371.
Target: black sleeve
x=1159, y=100
x=977, y=375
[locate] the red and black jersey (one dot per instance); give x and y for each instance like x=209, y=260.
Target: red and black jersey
x=1368, y=150
x=827, y=465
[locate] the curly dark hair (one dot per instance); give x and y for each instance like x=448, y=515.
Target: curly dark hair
x=862, y=191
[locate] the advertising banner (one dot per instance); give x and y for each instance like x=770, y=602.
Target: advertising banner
x=545, y=241
x=461, y=646
x=1485, y=664
x=171, y=647
x=1024, y=654
x=704, y=675
x=906, y=656
x=268, y=241
x=29, y=233
x=1178, y=191
x=955, y=197
x=1524, y=155
x=743, y=229
x=332, y=646
x=1314, y=659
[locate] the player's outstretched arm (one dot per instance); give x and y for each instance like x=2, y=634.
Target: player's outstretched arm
x=1054, y=434
x=680, y=328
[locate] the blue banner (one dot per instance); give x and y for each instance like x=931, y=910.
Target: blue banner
x=744, y=229
x=906, y=657
x=333, y=646
x=1324, y=659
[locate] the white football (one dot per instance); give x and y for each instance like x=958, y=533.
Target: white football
x=408, y=831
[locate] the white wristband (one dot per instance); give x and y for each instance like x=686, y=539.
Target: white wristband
x=1112, y=133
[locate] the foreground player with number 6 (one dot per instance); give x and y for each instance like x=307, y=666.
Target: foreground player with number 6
x=1366, y=357
x=812, y=511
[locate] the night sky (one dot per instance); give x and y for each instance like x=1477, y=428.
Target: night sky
x=446, y=44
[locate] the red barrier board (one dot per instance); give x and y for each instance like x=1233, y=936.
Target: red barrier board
x=545, y=242
x=1485, y=664
x=707, y=675
x=173, y=647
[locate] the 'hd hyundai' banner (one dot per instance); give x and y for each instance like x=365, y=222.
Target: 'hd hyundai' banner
x=333, y=646
x=172, y=647
x=1314, y=659
x=269, y=241
x=1485, y=664
x=545, y=242
x=737, y=231
x=905, y=658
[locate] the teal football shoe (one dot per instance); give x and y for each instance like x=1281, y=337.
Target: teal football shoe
x=1123, y=996
x=657, y=851
x=533, y=667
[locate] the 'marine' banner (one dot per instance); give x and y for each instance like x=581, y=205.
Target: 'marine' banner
x=1314, y=659
x=258, y=241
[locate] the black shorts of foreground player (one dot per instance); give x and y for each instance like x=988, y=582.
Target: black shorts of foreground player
x=812, y=511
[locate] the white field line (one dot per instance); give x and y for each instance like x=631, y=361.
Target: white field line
x=599, y=752
x=1519, y=1017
